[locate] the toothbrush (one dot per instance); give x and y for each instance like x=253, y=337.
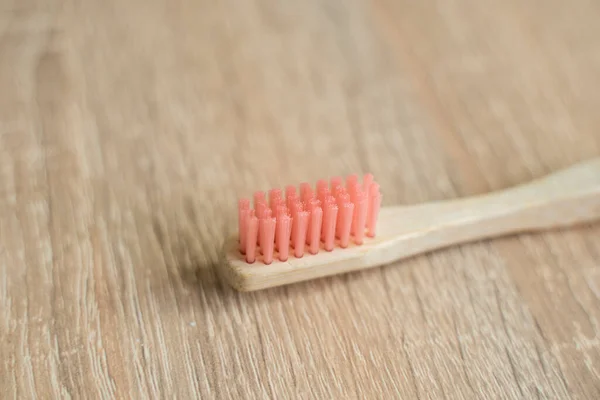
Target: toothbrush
x=341, y=227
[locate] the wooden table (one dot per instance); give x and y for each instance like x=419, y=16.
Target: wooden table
x=129, y=128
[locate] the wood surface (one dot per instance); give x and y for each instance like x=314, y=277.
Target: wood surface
x=129, y=128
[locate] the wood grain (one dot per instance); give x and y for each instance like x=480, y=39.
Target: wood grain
x=128, y=129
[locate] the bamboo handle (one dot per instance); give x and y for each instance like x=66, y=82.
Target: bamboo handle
x=561, y=199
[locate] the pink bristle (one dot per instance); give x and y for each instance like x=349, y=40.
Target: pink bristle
x=300, y=237
x=325, y=206
x=290, y=230
x=304, y=186
x=296, y=208
x=342, y=198
x=336, y=181
x=329, y=199
x=264, y=212
x=331, y=217
x=316, y=219
x=373, y=190
x=346, y=211
x=244, y=215
x=350, y=181
x=356, y=188
x=251, y=235
x=280, y=203
x=353, y=188
x=294, y=212
x=337, y=190
x=356, y=196
x=373, y=212
x=243, y=212
x=322, y=191
x=360, y=216
x=283, y=236
x=290, y=194
x=274, y=198
x=281, y=213
x=290, y=190
x=244, y=204
x=260, y=234
x=367, y=183
x=281, y=210
x=310, y=207
x=267, y=240
x=259, y=197
x=321, y=184
x=261, y=207
x=306, y=192
x=333, y=202
x=275, y=192
x=323, y=200
x=291, y=199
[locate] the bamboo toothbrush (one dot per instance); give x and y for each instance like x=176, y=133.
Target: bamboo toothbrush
x=340, y=227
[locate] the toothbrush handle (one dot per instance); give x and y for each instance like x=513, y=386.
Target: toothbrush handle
x=561, y=199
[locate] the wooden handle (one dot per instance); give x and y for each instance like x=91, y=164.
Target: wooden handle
x=565, y=198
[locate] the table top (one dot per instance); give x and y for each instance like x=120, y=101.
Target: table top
x=129, y=129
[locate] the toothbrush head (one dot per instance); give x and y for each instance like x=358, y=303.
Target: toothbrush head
x=279, y=229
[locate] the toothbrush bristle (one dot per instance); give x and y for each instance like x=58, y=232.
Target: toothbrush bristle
x=360, y=217
x=322, y=191
x=329, y=226
x=327, y=202
x=310, y=206
x=342, y=198
x=243, y=214
x=296, y=209
x=321, y=184
x=283, y=236
x=335, y=182
x=274, y=198
x=251, y=239
x=333, y=214
x=261, y=209
x=280, y=216
x=306, y=192
x=373, y=212
x=300, y=236
x=267, y=239
x=290, y=195
x=345, y=222
x=259, y=197
x=351, y=180
x=315, y=229
x=290, y=190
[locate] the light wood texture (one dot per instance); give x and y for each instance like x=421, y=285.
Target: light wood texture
x=129, y=128
x=563, y=199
